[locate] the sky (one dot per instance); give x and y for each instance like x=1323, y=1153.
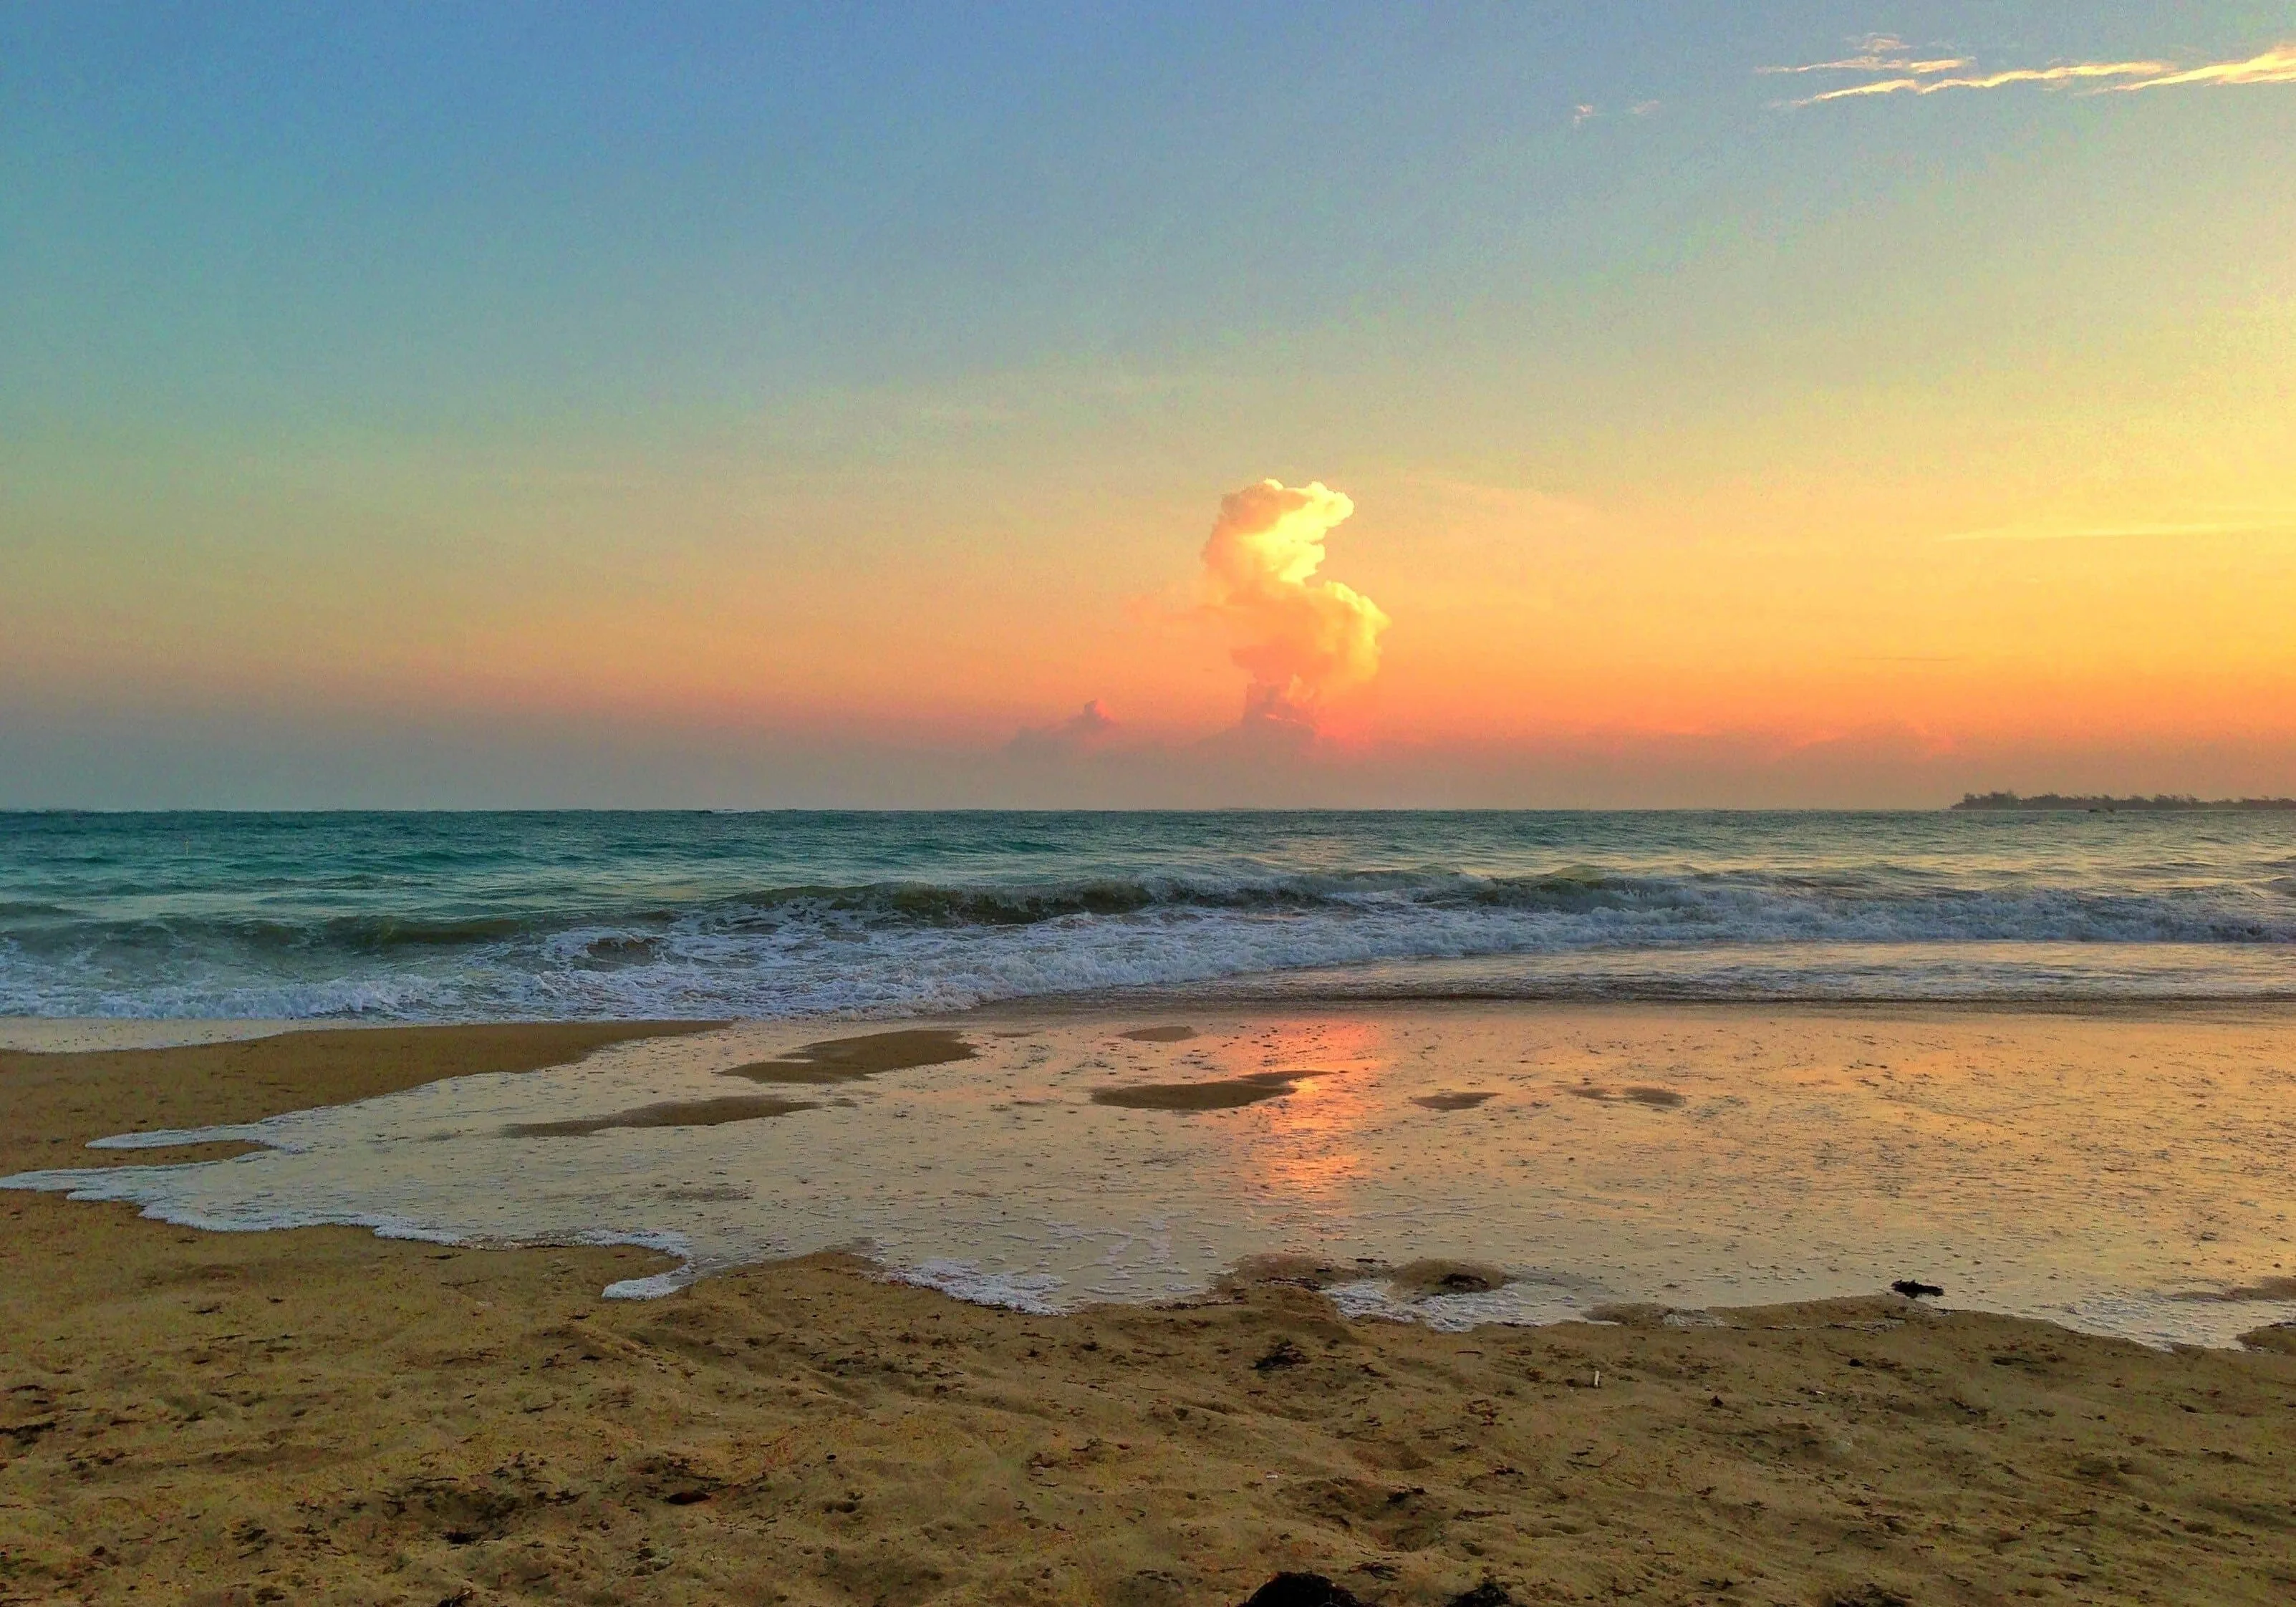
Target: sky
x=1555, y=405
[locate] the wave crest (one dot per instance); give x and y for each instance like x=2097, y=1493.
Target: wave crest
x=544, y=916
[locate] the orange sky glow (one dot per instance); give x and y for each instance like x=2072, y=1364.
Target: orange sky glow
x=1774, y=429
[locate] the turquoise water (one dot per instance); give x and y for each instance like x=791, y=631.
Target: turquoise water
x=440, y=916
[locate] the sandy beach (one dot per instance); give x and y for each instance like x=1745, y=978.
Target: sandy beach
x=320, y=1414
x=1358, y=806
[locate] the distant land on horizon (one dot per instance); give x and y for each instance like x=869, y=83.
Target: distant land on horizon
x=2158, y=801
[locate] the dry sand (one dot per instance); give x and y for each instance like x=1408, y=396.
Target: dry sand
x=319, y=1415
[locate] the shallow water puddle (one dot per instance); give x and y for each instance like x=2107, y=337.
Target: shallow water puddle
x=2121, y=1175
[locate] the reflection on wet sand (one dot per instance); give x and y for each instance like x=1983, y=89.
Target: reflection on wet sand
x=1312, y=1149
x=2117, y=1173
x=1159, y=1035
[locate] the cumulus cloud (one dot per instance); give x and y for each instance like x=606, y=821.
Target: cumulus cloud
x=1903, y=74
x=1300, y=640
x=1083, y=732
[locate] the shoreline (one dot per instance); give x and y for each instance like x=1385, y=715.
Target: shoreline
x=371, y=1419
x=81, y=1035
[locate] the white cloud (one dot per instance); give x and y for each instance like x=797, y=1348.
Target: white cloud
x=1301, y=639
x=1901, y=74
x=1879, y=53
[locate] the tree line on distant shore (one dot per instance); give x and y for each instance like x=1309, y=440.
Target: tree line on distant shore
x=2159, y=801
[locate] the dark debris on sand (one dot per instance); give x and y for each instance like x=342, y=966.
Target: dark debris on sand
x=1314, y=1590
x=1285, y=1354
x=1302, y=1590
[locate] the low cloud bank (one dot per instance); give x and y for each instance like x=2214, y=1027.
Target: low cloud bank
x=1086, y=731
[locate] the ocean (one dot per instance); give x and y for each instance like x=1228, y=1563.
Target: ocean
x=1223, y=1036
x=453, y=916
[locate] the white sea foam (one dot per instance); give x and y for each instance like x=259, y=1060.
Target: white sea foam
x=169, y=1138
x=1522, y=1301
x=1035, y=1292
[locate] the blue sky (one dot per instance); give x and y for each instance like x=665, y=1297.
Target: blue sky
x=492, y=312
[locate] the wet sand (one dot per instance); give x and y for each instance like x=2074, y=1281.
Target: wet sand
x=666, y=1114
x=2118, y=1176
x=1225, y=1093
x=855, y=1059
x=320, y=1415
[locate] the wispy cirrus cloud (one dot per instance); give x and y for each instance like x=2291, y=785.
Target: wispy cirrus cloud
x=1899, y=71
x=2274, y=66
x=1587, y=112
x=1880, y=52
x=2262, y=525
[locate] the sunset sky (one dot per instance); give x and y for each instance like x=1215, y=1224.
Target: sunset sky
x=703, y=404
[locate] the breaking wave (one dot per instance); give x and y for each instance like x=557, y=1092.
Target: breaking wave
x=512, y=916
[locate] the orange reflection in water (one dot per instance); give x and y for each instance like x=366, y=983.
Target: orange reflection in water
x=1301, y=1144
